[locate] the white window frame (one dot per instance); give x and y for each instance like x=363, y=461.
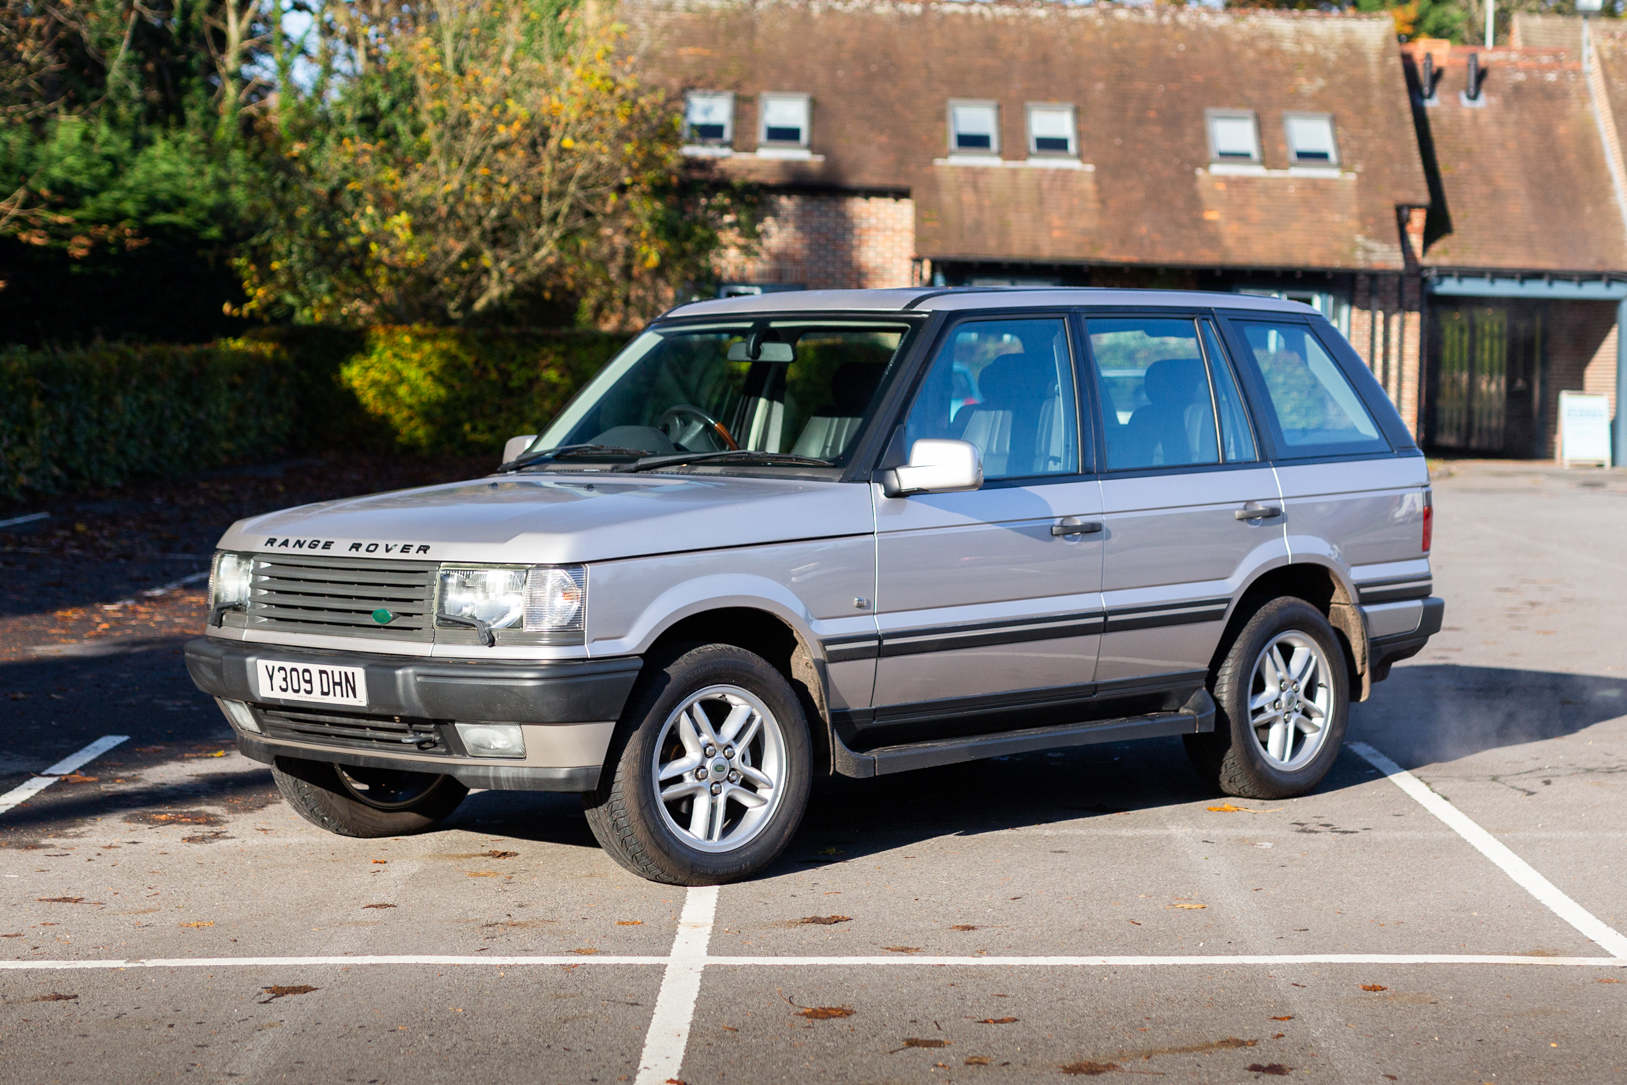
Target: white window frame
x=727, y=140
x=1073, y=128
x=1212, y=115
x=1293, y=153
x=762, y=118
x=993, y=150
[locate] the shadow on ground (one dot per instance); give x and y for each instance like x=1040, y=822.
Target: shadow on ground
x=1440, y=712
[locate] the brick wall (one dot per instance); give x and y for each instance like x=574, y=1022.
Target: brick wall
x=1386, y=328
x=1581, y=356
x=831, y=242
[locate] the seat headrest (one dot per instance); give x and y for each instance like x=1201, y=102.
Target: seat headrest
x=852, y=386
x=1175, y=382
x=1016, y=378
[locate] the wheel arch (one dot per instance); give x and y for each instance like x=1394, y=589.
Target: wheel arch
x=1329, y=591
x=766, y=633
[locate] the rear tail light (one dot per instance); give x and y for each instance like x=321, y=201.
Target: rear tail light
x=1429, y=520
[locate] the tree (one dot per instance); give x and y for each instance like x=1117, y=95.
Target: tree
x=446, y=163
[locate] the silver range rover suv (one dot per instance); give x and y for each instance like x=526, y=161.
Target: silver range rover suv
x=851, y=532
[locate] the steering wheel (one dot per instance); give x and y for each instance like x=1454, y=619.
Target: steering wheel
x=685, y=422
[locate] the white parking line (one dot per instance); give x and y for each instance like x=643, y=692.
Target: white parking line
x=27, y=790
x=676, y=1001
x=680, y=989
x=1607, y=937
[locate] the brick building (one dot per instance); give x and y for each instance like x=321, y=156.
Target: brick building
x=1287, y=153
x=1525, y=258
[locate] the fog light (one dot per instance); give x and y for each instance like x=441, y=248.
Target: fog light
x=492, y=739
x=240, y=715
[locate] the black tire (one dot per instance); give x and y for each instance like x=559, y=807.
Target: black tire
x=351, y=801
x=641, y=832
x=1232, y=758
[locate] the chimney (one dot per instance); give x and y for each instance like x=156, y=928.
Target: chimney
x=1472, y=92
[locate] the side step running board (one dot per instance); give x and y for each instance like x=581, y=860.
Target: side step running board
x=1198, y=716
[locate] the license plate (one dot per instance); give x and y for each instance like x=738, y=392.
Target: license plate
x=311, y=682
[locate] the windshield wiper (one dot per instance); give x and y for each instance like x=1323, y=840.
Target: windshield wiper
x=570, y=452
x=736, y=455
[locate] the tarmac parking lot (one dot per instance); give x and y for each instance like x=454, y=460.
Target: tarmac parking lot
x=1449, y=906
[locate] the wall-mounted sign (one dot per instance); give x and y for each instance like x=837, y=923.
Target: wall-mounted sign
x=1584, y=429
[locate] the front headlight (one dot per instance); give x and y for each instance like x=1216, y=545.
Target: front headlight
x=542, y=599
x=230, y=580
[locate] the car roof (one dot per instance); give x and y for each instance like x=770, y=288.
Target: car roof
x=927, y=299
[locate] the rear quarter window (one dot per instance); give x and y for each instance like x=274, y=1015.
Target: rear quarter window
x=1310, y=406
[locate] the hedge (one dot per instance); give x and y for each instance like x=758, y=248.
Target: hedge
x=108, y=415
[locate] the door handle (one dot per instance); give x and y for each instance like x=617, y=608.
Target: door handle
x=1085, y=527
x=1254, y=510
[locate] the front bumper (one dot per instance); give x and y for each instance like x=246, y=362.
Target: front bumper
x=1382, y=652
x=567, y=711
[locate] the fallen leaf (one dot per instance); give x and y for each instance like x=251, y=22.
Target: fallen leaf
x=902, y=949
x=977, y=1060
x=500, y=854
x=200, y=923
x=484, y=873
x=1189, y=905
x=378, y=906
x=283, y=992
x=824, y=1013
x=76, y=778
x=217, y=753
x=825, y=920
x=832, y=851
x=629, y=922
x=1601, y=981
x=916, y=1041
x=1290, y=1017
x=728, y=1028
x=963, y=927
x=1374, y=987
x=19, y=935
x=1228, y=808
x=999, y=1021
x=54, y=996
x=586, y=951
x=1090, y=1069
x=1276, y=1069
x=1392, y=1077
x=676, y=1081
x=61, y=900
x=380, y=861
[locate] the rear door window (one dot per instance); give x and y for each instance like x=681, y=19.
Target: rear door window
x=1310, y=406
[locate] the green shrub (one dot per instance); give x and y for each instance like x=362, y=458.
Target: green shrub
x=108, y=415
x=468, y=391
x=104, y=416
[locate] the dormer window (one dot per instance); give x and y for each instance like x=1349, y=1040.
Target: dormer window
x=1310, y=139
x=1234, y=136
x=709, y=117
x=1051, y=130
x=974, y=127
x=784, y=120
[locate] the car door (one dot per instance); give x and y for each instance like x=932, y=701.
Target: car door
x=988, y=602
x=1349, y=498
x=1191, y=510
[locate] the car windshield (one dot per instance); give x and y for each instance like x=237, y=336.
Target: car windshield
x=791, y=387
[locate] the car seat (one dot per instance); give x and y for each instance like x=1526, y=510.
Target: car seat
x=1176, y=425
x=831, y=428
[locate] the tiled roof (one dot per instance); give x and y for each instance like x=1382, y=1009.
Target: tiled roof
x=1523, y=174
x=881, y=74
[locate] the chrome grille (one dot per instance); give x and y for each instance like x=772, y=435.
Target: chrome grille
x=337, y=596
x=392, y=733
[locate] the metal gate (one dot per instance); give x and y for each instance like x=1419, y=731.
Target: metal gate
x=1488, y=374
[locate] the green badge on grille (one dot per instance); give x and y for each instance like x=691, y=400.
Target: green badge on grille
x=382, y=616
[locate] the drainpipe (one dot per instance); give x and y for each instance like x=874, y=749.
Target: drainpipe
x=1619, y=444
x=1491, y=24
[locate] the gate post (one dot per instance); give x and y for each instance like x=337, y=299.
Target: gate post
x=1618, y=444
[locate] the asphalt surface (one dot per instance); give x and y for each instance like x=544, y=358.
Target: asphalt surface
x=944, y=925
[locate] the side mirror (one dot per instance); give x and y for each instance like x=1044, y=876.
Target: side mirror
x=935, y=467
x=517, y=445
